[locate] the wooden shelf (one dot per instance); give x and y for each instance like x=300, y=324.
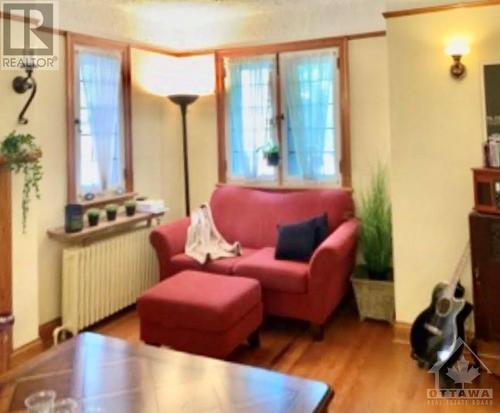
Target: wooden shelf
x=104, y=228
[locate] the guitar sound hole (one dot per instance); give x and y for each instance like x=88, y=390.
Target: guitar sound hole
x=443, y=306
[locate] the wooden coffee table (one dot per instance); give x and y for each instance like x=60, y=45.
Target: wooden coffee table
x=114, y=376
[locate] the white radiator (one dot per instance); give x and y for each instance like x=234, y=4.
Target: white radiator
x=104, y=277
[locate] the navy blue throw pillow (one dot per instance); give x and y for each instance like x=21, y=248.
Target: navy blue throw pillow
x=297, y=241
x=321, y=229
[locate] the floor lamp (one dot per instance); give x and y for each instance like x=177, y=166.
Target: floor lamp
x=184, y=101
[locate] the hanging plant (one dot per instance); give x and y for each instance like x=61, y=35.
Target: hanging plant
x=22, y=156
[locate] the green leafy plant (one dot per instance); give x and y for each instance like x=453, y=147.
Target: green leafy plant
x=22, y=156
x=376, y=227
x=130, y=207
x=111, y=207
x=130, y=203
x=93, y=215
x=111, y=211
x=271, y=152
x=269, y=148
x=93, y=212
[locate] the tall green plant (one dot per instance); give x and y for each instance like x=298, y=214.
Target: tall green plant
x=376, y=226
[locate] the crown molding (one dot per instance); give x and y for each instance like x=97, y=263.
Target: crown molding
x=435, y=9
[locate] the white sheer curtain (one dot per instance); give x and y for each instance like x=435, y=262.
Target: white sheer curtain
x=309, y=80
x=100, y=91
x=250, y=112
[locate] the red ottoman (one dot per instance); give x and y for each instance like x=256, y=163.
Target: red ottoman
x=201, y=313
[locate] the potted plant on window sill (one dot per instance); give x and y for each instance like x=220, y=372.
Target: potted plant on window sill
x=93, y=215
x=373, y=281
x=271, y=152
x=111, y=211
x=130, y=207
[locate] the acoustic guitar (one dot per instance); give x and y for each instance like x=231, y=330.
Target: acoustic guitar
x=435, y=332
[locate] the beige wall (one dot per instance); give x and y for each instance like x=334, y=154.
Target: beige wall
x=50, y=130
x=32, y=252
x=203, y=156
x=369, y=101
x=436, y=134
x=157, y=143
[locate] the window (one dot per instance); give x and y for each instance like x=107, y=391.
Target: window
x=99, y=147
x=291, y=98
x=251, y=115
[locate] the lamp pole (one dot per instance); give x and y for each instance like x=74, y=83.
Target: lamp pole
x=184, y=101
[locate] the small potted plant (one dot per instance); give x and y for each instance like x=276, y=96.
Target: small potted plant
x=271, y=152
x=93, y=215
x=373, y=281
x=111, y=211
x=130, y=206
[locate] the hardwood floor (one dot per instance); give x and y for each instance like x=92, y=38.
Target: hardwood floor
x=368, y=371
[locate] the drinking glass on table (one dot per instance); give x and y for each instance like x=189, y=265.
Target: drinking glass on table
x=66, y=406
x=41, y=402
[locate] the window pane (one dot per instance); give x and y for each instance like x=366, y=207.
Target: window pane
x=309, y=82
x=250, y=115
x=99, y=109
x=89, y=172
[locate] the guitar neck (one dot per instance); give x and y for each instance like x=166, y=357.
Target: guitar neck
x=459, y=270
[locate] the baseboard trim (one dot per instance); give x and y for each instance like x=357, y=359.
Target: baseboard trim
x=35, y=347
x=485, y=349
x=488, y=350
x=25, y=352
x=401, y=332
x=45, y=330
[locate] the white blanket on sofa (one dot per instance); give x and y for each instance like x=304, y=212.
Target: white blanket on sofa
x=204, y=241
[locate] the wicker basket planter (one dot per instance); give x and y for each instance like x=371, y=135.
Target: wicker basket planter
x=375, y=299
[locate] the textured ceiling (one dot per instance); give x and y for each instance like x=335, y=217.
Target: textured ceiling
x=266, y=6
x=188, y=24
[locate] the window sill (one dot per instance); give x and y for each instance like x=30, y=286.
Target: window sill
x=111, y=199
x=274, y=186
x=105, y=228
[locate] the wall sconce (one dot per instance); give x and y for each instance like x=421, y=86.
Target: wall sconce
x=21, y=84
x=457, y=49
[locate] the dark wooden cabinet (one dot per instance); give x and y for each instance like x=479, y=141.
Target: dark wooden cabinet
x=485, y=247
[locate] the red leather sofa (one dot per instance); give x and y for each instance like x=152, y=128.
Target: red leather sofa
x=307, y=291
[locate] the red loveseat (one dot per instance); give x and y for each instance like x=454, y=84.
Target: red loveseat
x=307, y=291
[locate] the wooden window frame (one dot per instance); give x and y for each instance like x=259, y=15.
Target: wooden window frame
x=73, y=41
x=340, y=43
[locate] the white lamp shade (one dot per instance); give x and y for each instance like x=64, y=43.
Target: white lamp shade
x=457, y=47
x=167, y=75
